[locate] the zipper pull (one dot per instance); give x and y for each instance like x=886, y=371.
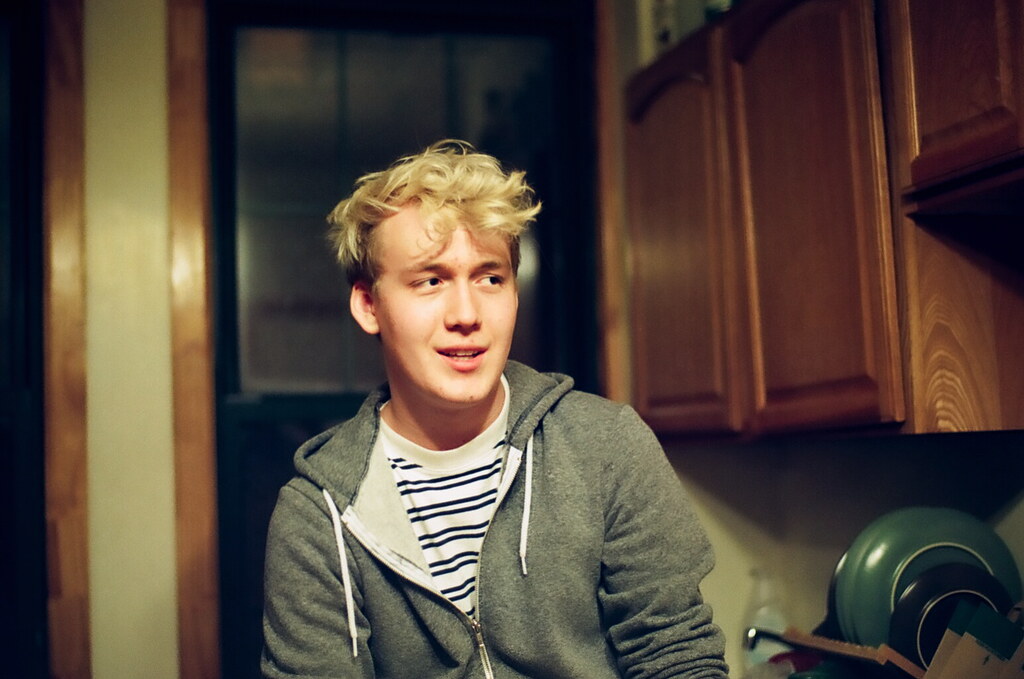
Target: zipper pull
x=485, y=658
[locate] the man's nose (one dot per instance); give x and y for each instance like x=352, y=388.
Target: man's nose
x=462, y=312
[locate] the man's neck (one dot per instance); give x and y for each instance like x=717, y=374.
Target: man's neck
x=442, y=428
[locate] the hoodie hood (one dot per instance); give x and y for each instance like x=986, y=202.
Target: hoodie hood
x=338, y=460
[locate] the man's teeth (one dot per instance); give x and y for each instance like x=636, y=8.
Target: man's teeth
x=461, y=354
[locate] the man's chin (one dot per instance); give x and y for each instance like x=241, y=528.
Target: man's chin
x=474, y=391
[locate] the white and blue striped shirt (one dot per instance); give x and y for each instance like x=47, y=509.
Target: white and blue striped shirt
x=450, y=497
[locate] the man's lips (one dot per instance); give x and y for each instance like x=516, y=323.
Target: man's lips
x=463, y=359
x=461, y=353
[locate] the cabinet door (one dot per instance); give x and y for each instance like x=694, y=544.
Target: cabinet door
x=681, y=335
x=813, y=208
x=958, y=71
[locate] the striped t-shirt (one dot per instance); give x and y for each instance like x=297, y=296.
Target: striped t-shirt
x=450, y=497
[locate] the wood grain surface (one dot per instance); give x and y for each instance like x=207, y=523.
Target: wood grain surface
x=192, y=346
x=64, y=344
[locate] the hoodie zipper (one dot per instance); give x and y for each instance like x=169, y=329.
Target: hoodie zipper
x=485, y=658
x=475, y=628
x=474, y=625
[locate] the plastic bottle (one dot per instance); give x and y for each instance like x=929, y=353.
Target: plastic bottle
x=764, y=613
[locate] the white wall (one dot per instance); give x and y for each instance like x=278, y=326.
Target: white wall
x=133, y=615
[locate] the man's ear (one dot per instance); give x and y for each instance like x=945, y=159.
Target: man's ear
x=364, y=307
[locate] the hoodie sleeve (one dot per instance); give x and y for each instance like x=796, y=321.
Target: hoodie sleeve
x=656, y=554
x=305, y=624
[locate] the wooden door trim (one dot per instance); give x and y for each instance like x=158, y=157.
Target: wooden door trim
x=64, y=367
x=192, y=343
x=616, y=378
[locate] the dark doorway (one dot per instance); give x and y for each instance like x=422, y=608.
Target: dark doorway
x=303, y=103
x=22, y=524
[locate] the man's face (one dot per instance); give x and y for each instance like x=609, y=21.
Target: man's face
x=445, y=309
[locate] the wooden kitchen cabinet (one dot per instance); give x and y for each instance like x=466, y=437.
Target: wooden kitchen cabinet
x=957, y=73
x=956, y=135
x=684, y=335
x=772, y=214
x=811, y=204
x=760, y=226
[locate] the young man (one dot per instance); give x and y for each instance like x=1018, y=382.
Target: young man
x=476, y=518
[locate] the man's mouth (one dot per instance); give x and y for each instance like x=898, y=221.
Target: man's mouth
x=461, y=353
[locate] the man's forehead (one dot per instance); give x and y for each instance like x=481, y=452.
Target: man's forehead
x=434, y=247
x=412, y=244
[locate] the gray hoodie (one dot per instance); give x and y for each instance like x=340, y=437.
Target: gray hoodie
x=590, y=568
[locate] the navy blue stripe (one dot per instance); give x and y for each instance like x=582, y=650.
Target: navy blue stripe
x=482, y=472
x=401, y=463
x=452, y=538
x=456, y=510
x=450, y=529
x=452, y=503
x=452, y=569
x=453, y=557
x=470, y=559
x=428, y=486
x=487, y=470
x=454, y=593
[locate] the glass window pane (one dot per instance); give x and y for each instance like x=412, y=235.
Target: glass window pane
x=315, y=110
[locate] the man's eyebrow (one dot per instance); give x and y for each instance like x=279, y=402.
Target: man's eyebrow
x=440, y=267
x=428, y=267
x=492, y=264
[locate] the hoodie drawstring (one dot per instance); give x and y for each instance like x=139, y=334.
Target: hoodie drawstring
x=525, y=526
x=346, y=579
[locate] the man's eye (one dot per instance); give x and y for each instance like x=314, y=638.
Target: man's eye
x=493, y=280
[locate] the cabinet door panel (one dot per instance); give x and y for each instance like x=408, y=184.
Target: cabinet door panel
x=813, y=207
x=965, y=83
x=682, y=375
x=965, y=316
x=956, y=131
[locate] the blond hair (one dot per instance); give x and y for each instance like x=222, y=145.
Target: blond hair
x=453, y=184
